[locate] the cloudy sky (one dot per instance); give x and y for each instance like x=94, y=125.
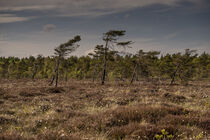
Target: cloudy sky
x=32, y=27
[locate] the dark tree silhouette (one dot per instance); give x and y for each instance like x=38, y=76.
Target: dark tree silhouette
x=62, y=51
x=110, y=39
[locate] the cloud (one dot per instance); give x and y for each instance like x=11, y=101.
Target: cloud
x=31, y=8
x=127, y=16
x=81, y=7
x=171, y=36
x=8, y=18
x=49, y=27
x=24, y=48
x=3, y=37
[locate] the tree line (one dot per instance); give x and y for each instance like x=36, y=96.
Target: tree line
x=106, y=63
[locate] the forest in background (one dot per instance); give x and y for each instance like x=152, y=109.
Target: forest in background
x=187, y=66
x=106, y=62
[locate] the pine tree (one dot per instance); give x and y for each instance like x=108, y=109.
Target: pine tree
x=62, y=51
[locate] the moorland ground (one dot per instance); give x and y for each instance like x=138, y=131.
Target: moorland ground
x=86, y=110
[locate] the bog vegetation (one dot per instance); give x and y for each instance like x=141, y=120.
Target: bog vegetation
x=109, y=94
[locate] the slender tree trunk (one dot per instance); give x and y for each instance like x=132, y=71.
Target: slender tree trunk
x=104, y=67
x=172, y=79
x=199, y=72
x=55, y=77
x=104, y=72
x=174, y=75
x=56, y=73
x=52, y=80
x=34, y=73
x=66, y=74
x=134, y=73
x=93, y=77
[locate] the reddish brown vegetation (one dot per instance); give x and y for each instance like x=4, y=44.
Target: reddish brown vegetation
x=84, y=110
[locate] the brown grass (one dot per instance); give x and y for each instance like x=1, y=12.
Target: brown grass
x=85, y=110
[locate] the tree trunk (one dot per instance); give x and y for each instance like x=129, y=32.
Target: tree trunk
x=134, y=73
x=56, y=73
x=104, y=72
x=52, y=80
x=33, y=75
x=55, y=77
x=66, y=76
x=174, y=75
x=93, y=77
x=34, y=72
x=104, y=67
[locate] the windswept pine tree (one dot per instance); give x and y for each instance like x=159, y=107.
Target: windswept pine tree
x=97, y=57
x=145, y=64
x=37, y=65
x=110, y=39
x=61, y=51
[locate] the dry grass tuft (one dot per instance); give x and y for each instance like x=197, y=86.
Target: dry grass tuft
x=175, y=98
x=56, y=90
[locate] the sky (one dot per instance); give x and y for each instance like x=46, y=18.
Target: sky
x=32, y=27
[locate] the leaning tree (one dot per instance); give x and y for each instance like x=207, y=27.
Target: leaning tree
x=145, y=63
x=97, y=57
x=60, y=52
x=37, y=64
x=110, y=39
